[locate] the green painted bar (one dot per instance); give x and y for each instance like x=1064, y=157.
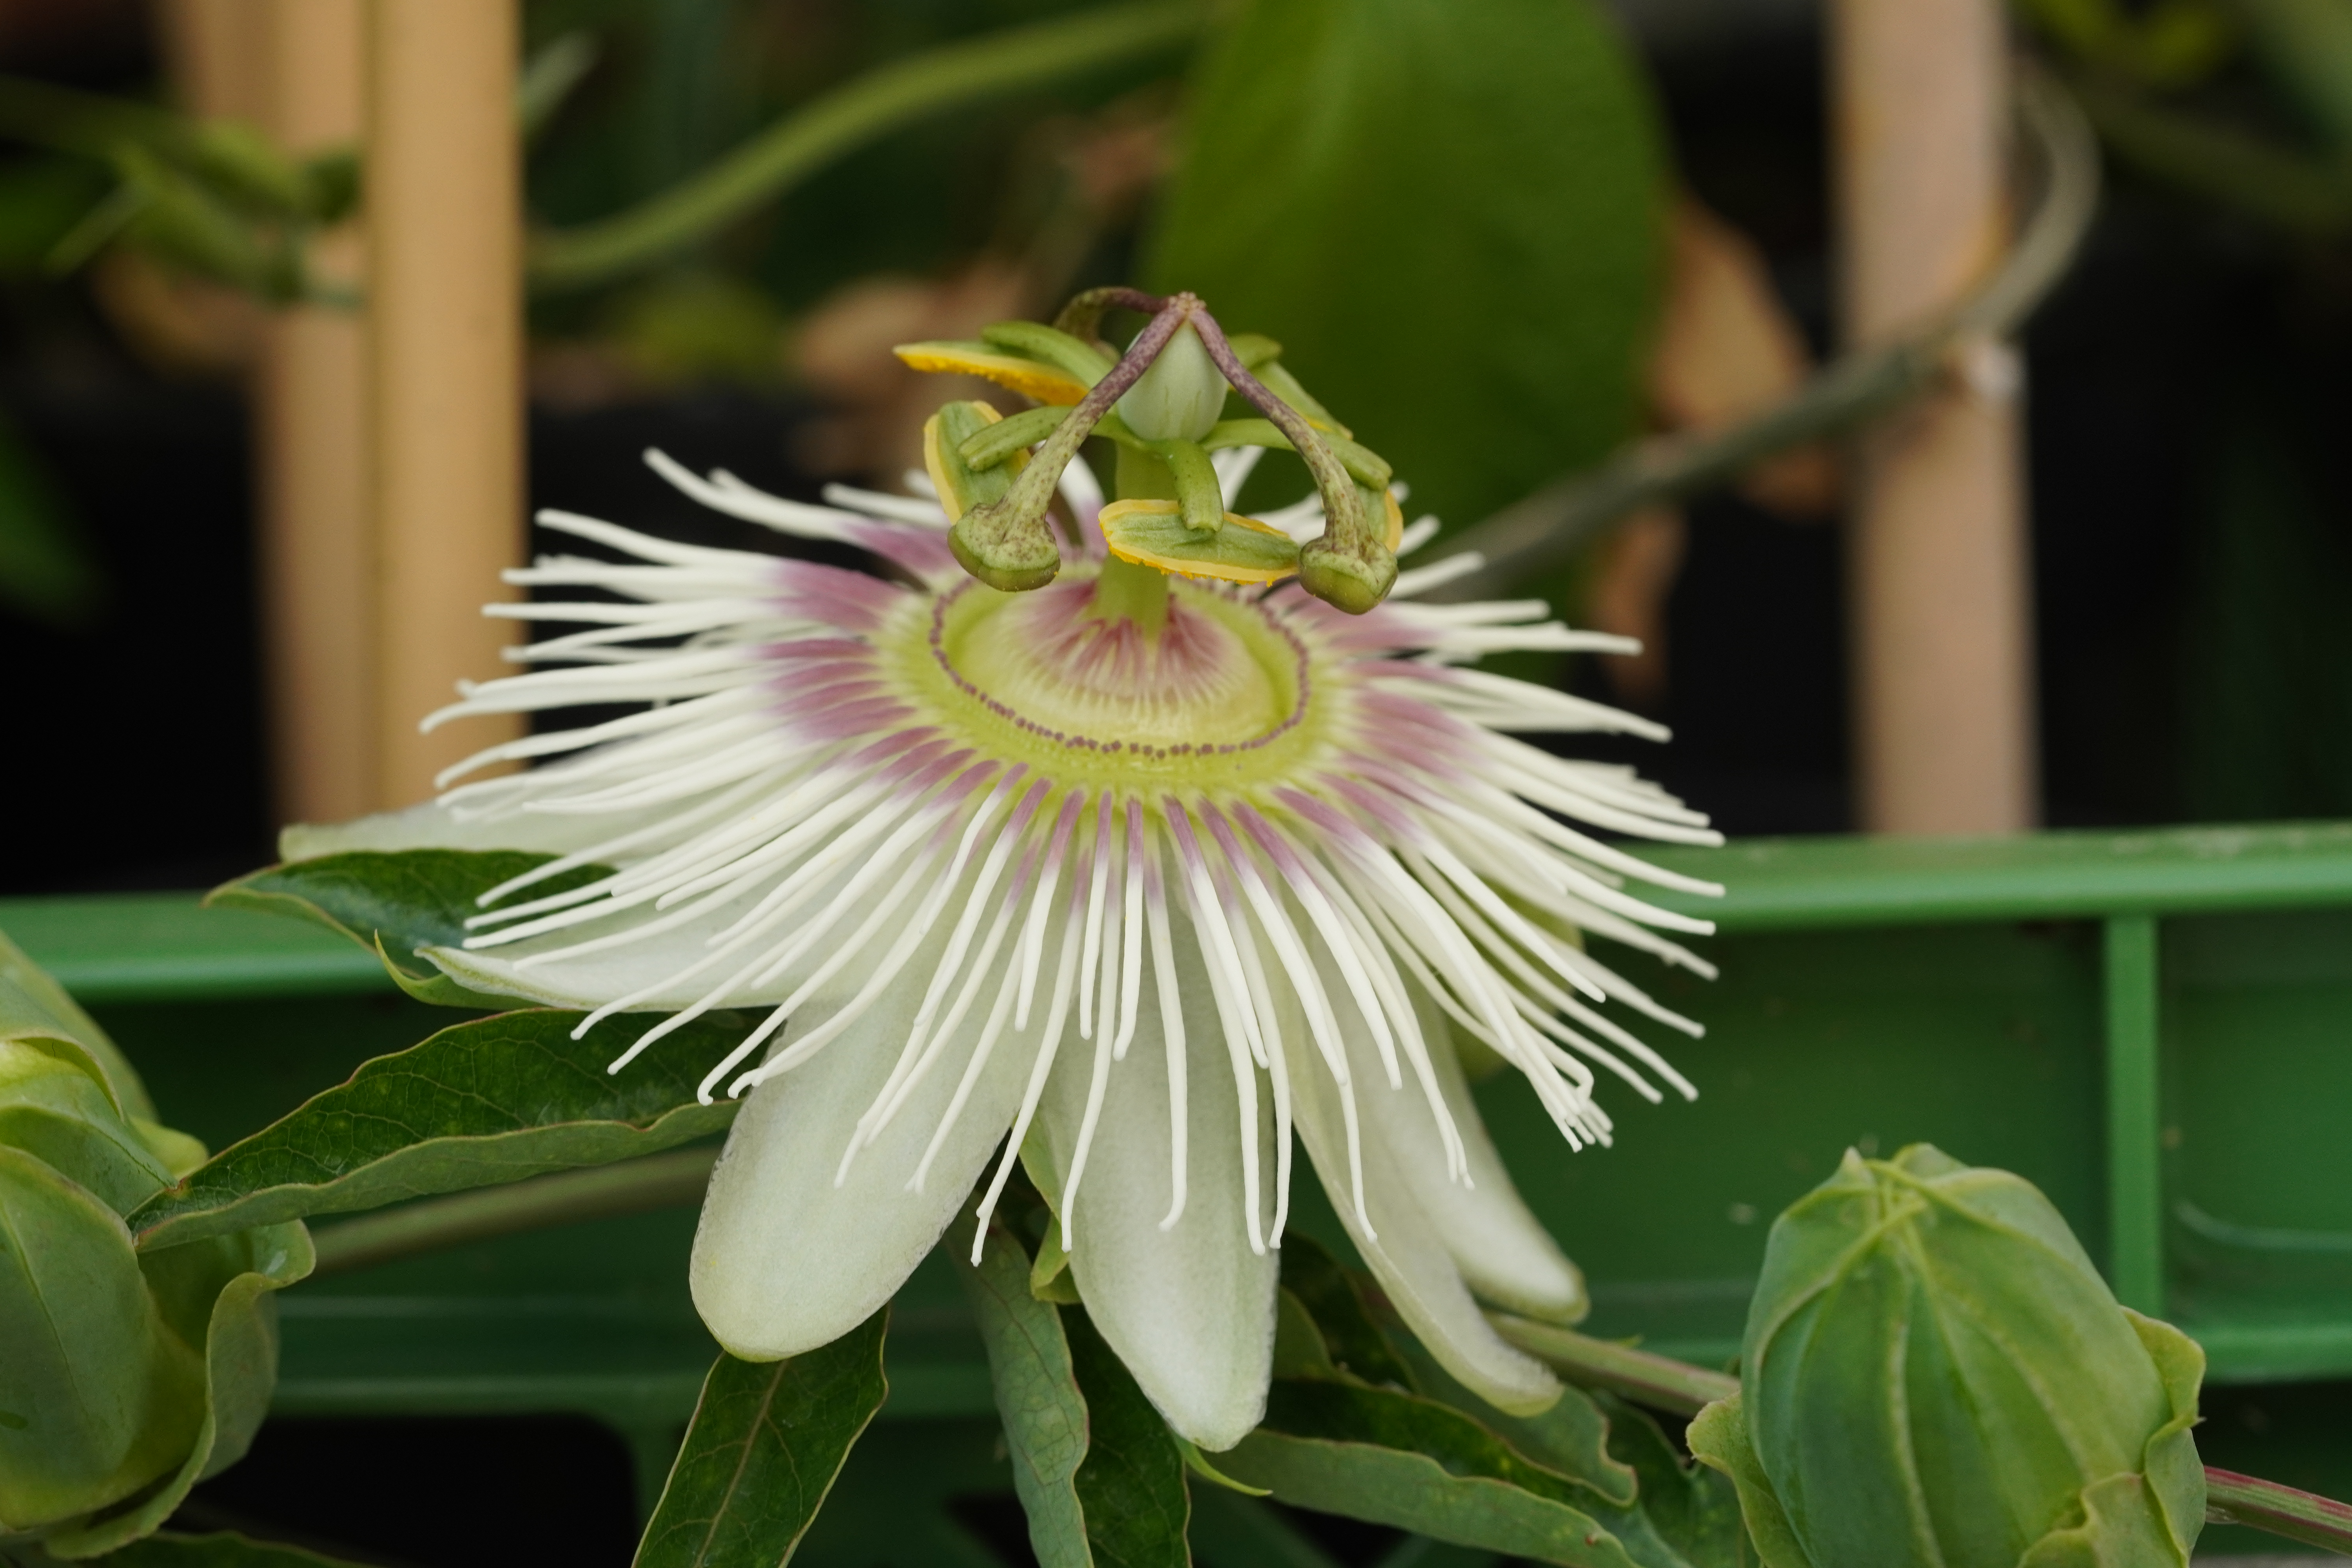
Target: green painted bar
x=1801, y=884
x=1998, y=997
x=2135, y=1174
x=165, y=947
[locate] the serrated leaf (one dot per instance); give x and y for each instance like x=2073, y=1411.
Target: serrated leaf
x=1131, y=1483
x=395, y=901
x=1450, y=215
x=1398, y=1459
x=225, y=1550
x=1037, y=1395
x=767, y=1440
x=492, y=1101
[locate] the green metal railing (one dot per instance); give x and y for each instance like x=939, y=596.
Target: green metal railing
x=2157, y=1027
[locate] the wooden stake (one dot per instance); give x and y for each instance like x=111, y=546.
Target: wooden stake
x=444, y=342
x=1940, y=603
x=317, y=555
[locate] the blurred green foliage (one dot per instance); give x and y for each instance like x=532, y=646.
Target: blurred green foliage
x=1449, y=216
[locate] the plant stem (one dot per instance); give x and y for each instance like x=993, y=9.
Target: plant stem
x=628, y=1186
x=2233, y=1498
x=1640, y=1375
x=839, y=122
x=1664, y=1384
x=1544, y=531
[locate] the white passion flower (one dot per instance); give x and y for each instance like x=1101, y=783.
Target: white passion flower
x=1004, y=872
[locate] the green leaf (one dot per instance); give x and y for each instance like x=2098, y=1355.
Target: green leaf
x=1131, y=1484
x=217, y=1294
x=35, y=1010
x=1038, y=1394
x=767, y=1440
x=492, y=1101
x=1691, y=1510
x=1570, y=1438
x=1398, y=1459
x=1333, y=1300
x=396, y=902
x=1449, y=213
x=225, y=1550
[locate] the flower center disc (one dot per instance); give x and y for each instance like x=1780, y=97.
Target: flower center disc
x=1222, y=679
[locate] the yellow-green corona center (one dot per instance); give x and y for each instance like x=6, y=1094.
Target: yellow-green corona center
x=1223, y=695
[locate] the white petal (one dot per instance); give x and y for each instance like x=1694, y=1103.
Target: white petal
x=1190, y=1310
x=1503, y=1252
x=784, y=1260
x=1404, y=1173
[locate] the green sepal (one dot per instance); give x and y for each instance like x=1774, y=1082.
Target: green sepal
x=2151, y=1519
x=1718, y=1438
x=34, y=1009
x=992, y=443
x=59, y=1109
x=217, y=1294
x=1049, y=345
x=1365, y=466
x=1050, y=1278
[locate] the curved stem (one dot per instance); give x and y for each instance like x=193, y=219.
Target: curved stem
x=838, y=122
x=1659, y=1382
x=1542, y=532
x=2315, y=1520
x=669, y=1180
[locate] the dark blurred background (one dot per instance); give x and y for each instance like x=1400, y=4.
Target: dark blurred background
x=2192, y=553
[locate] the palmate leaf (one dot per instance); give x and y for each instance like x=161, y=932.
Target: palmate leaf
x=767, y=1440
x=492, y=1100
x=395, y=902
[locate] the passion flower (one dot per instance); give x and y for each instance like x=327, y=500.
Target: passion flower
x=1130, y=876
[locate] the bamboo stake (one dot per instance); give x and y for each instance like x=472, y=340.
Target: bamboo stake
x=445, y=341
x=1941, y=605
x=310, y=396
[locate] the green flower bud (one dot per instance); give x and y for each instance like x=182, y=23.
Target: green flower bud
x=124, y=1377
x=1934, y=1373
